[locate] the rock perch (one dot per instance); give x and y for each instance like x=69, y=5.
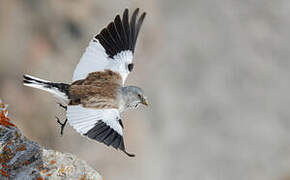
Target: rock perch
x=23, y=159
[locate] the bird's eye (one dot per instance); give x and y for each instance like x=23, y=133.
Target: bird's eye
x=130, y=67
x=139, y=96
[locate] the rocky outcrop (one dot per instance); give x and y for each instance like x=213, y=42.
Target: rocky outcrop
x=23, y=159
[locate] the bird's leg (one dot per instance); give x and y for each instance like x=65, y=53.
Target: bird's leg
x=62, y=125
x=62, y=106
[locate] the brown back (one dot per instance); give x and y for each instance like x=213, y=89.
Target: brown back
x=99, y=90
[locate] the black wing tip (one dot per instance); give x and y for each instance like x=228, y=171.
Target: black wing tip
x=126, y=12
x=143, y=15
x=106, y=135
x=126, y=15
x=129, y=154
x=122, y=148
x=117, y=17
x=136, y=11
x=125, y=34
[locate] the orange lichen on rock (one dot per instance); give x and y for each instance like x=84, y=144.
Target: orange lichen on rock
x=6, y=154
x=83, y=177
x=40, y=178
x=52, y=162
x=4, y=173
x=22, y=147
x=26, y=162
x=20, y=156
x=4, y=120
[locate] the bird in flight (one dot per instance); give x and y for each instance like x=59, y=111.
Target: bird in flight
x=97, y=95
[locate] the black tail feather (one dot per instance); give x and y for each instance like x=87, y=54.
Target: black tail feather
x=30, y=81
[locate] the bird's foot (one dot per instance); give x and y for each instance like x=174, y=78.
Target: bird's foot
x=62, y=106
x=62, y=125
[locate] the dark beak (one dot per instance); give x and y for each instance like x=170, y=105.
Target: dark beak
x=144, y=101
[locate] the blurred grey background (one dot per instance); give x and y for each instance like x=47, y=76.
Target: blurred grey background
x=216, y=74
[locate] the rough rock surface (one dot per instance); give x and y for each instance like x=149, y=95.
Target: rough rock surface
x=23, y=159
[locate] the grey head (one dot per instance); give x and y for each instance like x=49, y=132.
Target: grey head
x=133, y=96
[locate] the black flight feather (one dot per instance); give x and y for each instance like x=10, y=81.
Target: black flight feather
x=121, y=34
x=103, y=133
x=132, y=29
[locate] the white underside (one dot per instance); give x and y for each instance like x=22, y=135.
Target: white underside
x=95, y=59
x=83, y=119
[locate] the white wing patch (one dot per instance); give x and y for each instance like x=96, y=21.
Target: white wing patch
x=101, y=125
x=94, y=59
x=120, y=63
x=112, y=48
x=83, y=119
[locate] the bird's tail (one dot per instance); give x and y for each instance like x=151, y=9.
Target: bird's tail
x=60, y=90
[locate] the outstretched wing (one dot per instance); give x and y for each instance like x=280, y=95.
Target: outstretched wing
x=112, y=48
x=102, y=125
